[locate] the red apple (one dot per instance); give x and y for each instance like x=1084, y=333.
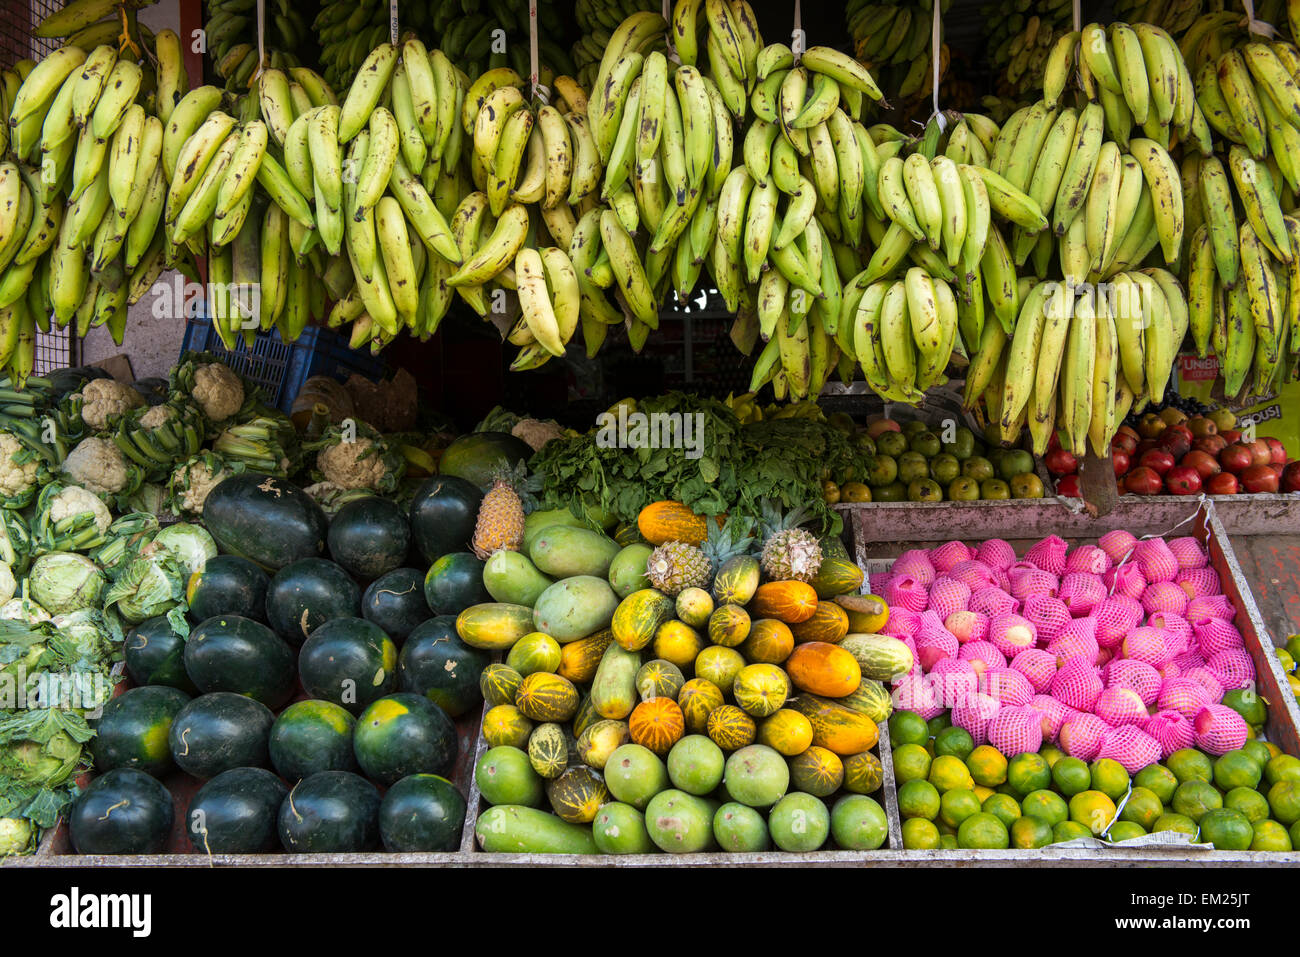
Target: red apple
x=1121, y=462
x=1236, y=458
x=1230, y=435
x=1175, y=442
x=1211, y=444
x=1278, y=469
x=1183, y=480
x=1259, y=478
x=1145, y=446
x=1143, y=480
x=1291, y=477
x=1204, y=463
x=1158, y=460
x=1277, y=449
x=1260, y=453
x=1068, y=486
x=1224, y=483
x=1060, y=462
x=1054, y=441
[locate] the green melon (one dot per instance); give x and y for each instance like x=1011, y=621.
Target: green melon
x=422, y=812
x=311, y=736
x=308, y=593
x=132, y=730
x=404, y=734
x=435, y=663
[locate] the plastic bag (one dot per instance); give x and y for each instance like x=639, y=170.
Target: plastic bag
x=1275, y=414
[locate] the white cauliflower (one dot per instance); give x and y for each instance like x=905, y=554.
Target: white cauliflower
x=157, y=416
x=15, y=479
x=105, y=398
x=7, y=584
x=536, y=432
x=194, y=480
x=352, y=464
x=73, y=500
x=218, y=391
x=97, y=465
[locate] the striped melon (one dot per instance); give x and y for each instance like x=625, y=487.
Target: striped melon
x=506, y=725
x=548, y=750
x=577, y=794
x=863, y=773
x=730, y=728
x=879, y=656
x=698, y=699
x=499, y=684
x=659, y=679
x=761, y=689
x=543, y=696
x=817, y=771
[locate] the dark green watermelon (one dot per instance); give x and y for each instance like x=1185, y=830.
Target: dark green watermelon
x=124, y=811
x=404, y=734
x=435, y=663
x=475, y=456
x=370, y=536
x=350, y=662
x=422, y=812
x=132, y=730
x=443, y=512
x=227, y=584
x=220, y=731
x=312, y=736
x=330, y=812
x=237, y=813
x=455, y=582
x=230, y=653
x=266, y=520
x=306, y=594
x=155, y=655
x=395, y=602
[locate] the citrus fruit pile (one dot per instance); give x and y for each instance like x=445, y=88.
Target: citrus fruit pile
x=1126, y=649
x=955, y=794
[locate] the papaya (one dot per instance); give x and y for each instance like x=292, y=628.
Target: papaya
x=563, y=551
x=613, y=690
x=824, y=669
x=539, y=521
x=511, y=578
x=574, y=608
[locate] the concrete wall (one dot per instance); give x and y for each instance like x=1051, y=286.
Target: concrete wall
x=152, y=343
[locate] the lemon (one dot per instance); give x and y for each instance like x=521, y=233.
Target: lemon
x=920, y=834
x=1142, y=808
x=1030, y=832
x=1093, y=810
x=1046, y=806
x=954, y=741
x=1175, y=822
x=1270, y=836
x=907, y=727
x=1071, y=776
x=1029, y=772
x=1109, y=777
x=983, y=832
x=1159, y=780
x=1003, y=807
x=948, y=772
x=1124, y=831
x=918, y=799
x=1196, y=798
x=987, y=766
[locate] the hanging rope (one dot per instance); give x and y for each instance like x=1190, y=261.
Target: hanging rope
x=797, y=37
x=1201, y=502
x=261, y=40
x=1078, y=16
x=1256, y=26
x=392, y=21
x=539, y=92
x=936, y=46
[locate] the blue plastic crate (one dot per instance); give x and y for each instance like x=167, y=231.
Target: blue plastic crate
x=280, y=368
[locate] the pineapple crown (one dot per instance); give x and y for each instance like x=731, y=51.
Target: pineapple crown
x=773, y=520
x=733, y=537
x=516, y=478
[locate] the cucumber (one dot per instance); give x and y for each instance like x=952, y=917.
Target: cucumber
x=613, y=690
x=508, y=828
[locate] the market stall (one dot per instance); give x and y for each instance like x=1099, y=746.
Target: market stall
x=603, y=431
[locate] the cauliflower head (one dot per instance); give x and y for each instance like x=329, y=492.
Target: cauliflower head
x=536, y=432
x=15, y=480
x=194, y=481
x=358, y=464
x=157, y=416
x=72, y=500
x=98, y=466
x=218, y=391
x=104, y=398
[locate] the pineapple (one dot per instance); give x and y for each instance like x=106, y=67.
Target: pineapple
x=789, y=553
x=500, y=524
x=676, y=566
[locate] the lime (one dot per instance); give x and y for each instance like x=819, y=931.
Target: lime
x=911, y=763
x=1142, y=808
x=957, y=805
x=1236, y=769
x=1247, y=703
x=1288, y=663
x=1249, y=802
x=987, y=765
x=1227, y=830
x=1188, y=764
x=1293, y=647
x=1295, y=834
x=907, y=727
x=1093, y=809
x=1029, y=772
x=948, y=842
x=1124, y=831
x=1047, y=806
x=1030, y=832
x=939, y=722
x=1258, y=752
x=1159, y=780
x=1109, y=777
x=918, y=799
x=1069, y=831
x=1195, y=798
x=947, y=772
x=1270, y=836
x=1070, y=775
x=920, y=834
x=1284, y=799
x=983, y=832
x=1283, y=767
x=1175, y=822
x=954, y=741
x=1050, y=754
x=1003, y=807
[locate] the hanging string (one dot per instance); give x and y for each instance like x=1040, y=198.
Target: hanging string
x=1078, y=16
x=539, y=92
x=667, y=12
x=936, y=45
x=1201, y=503
x=261, y=39
x=1256, y=26
x=797, y=37
x=392, y=21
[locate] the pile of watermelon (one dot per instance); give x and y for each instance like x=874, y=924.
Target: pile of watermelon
x=313, y=703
